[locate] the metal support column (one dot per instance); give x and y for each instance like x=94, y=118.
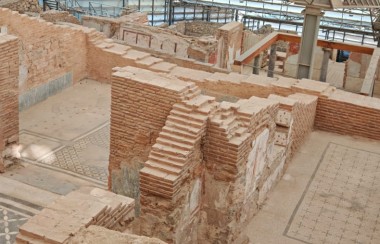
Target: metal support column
x=272, y=60
x=308, y=42
x=325, y=64
x=256, y=65
x=170, y=8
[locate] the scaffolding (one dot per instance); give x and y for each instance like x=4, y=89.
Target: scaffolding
x=345, y=25
x=360, y=25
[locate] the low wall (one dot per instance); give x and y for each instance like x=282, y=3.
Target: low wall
x=22, y=6
x=331, y=114
x=9, y=120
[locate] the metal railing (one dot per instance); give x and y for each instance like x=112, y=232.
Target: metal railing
x=75, y=8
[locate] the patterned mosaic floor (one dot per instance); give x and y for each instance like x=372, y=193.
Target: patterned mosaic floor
x=342, y=201
x=86, y=155
x=10, y=221
x=73, y=158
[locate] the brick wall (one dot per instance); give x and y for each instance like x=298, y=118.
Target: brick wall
x=237, y=145
x=201, y=28
x=21, y=6
x=337, y=111
x=168, y=42
x=180, y=151
x=229, y=39
x=141, y=101
x=349, y=114
x=47, y=51
x=9, y=120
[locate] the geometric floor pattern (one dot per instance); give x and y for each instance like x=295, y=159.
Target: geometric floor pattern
x=72, y=157
x=10, y=222
x=341, y=203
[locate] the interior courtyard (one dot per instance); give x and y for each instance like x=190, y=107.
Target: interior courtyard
x=131, y=125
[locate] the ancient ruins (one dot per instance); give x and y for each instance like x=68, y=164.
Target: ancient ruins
x=114, y=130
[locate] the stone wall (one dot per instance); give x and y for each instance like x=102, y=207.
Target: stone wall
x=201, y=28
x=229, y=39
x=55, y=16
x=356, y=68
x=200, y=168
x=96, y=234
x=48, y=53
x=138, y=112
x=22, y=6
x=9, y=119
x=169, y=42
x=357, y=120
x=111, y=26
x=118, y=55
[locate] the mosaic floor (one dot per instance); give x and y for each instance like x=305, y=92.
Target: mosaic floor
x=13, y=213
x=69, y=132
x=341, y=204
x=86, y=155
x=10, y=221
x=73, y=157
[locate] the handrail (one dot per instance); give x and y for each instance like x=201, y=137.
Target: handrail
x=272, y=38
x=75, y=7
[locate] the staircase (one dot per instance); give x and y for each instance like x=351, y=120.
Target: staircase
x=174, y=152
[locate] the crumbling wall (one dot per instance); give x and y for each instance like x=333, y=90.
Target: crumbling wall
x=250, y=39
x=52, y=57
x=22, y=6
x=96, y=234
x=9, y=120
x=201, y=28
x=236, y=153
x=141, y=102
x=55, y=16
x=356, y=68
x=189, y=158
x=169, y=42
x=118, y=55
x=337, y=111
x=111, y=26
x=229, y=39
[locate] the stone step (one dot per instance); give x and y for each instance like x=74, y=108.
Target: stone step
x=163, y=167
x=157, y=176
x=240, y=131
x=185, y=139
x=180, y=160
x=183, y=128
x=192, y=94
x=174, y=144
x=208, y=108
x=192, y=116
x=179, y=132
x=182, y=108
x=158, y=147
x=184, y=121
x=200, y=101
x=167, y=160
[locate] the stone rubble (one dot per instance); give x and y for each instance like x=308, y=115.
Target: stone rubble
x=66, y=216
